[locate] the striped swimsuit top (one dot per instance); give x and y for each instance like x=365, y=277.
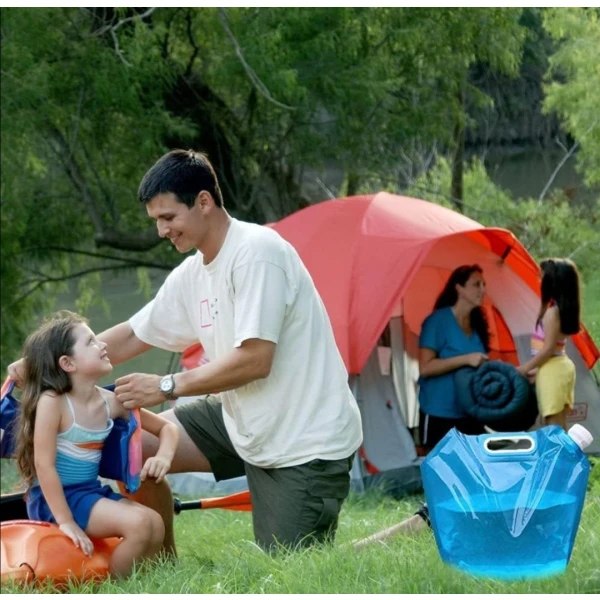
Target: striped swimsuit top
x=79, y=449
x=538, y=337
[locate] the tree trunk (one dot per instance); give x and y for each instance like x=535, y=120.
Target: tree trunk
x=456, y=186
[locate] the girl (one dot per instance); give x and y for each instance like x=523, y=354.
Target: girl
x=553, y=370
x=65, y=418
x=454, y=335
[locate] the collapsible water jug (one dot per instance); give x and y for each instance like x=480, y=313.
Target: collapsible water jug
x=506, y=505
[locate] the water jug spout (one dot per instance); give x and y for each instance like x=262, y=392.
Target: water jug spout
x=580, y=435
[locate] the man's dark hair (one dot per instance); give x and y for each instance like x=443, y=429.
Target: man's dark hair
x=184, y=173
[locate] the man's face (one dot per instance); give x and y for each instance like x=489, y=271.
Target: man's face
x=183, y=226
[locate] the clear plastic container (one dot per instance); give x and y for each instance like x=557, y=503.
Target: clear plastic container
x=506, y=506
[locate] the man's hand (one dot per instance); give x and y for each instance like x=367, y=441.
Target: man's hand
x=16, y=371
x=138, y=390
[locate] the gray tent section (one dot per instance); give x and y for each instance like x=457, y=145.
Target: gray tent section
x=385, y=393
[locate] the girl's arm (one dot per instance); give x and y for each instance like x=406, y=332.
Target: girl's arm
x=168, y=437
x=47, y=423
x=552, y=334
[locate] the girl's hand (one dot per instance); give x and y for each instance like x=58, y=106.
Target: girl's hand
x=530, y=374
x=16, y=371
x=155, y=467
x=79, y=537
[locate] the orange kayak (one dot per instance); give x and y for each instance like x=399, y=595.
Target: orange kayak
x=33, y=551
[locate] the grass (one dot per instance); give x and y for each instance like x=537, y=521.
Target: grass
x=217, y=556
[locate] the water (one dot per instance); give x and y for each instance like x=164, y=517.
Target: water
x=497, y=539
x=524, y=172
x=123, y=298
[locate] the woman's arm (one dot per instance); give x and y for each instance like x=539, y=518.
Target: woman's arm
x=47, y=423
x=430, y=365
x=168, y=437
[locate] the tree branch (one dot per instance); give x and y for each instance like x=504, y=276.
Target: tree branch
x=140, y=242
x=45, y=279
x=123, y=259
x=552, y=177
x=258, y=84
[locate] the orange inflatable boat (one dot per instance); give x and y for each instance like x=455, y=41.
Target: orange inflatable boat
x=32, y=551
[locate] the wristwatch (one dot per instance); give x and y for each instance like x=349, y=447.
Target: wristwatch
x=167, y=386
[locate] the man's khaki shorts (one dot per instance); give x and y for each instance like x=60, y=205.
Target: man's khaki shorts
x=291, y=506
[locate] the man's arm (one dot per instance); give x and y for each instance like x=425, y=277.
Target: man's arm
x=250, y=362
x=122, y=343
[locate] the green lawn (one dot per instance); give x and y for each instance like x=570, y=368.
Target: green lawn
x=217, y=556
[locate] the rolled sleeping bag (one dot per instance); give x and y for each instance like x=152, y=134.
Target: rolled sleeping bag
x=497, y=395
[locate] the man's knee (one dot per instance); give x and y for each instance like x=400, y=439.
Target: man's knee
x=300, y=506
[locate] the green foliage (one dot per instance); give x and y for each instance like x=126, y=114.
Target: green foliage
x=92, y=96
x=545, y=228
x=217, y=556
x=574, y=81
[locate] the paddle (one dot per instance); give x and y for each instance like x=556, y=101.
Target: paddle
x=236, y=501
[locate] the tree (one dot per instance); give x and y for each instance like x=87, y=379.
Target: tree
x=574, y=81
x=92, y=96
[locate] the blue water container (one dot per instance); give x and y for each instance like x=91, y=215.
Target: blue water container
x=506, y=505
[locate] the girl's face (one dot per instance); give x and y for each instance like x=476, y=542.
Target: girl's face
x=474, y=289
x=89, y=354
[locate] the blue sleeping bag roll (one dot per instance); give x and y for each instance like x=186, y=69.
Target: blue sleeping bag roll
x=497, y=395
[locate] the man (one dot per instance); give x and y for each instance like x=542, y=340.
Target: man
x=280, y=409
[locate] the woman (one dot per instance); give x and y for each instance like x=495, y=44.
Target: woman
x=454, y=335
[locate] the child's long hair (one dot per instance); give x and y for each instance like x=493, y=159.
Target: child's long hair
x=42, y=351
x=449, y=296
x=560, y=283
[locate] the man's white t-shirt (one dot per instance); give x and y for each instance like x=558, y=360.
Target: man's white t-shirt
x=258, y=287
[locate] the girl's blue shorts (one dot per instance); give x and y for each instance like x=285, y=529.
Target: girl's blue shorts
x=80, y=497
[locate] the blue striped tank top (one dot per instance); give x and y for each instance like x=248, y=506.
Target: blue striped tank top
x=79, y=449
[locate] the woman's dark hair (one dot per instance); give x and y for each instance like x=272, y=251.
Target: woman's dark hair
x=449, y=296
x=560, y=283
x=184, y=173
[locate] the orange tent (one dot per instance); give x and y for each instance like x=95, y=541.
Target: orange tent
x=372, y=257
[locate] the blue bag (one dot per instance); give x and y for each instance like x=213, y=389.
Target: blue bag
x=508, y=505
x=9, y=410
x=122, y=451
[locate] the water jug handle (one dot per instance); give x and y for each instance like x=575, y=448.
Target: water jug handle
x=502, y=444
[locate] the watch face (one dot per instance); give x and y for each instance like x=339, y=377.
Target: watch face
x=166, y=384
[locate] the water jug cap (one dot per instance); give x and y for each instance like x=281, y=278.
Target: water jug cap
x=581, y=436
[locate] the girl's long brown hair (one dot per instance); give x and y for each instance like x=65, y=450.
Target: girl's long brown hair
x=41, y=351
x=560, y=283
